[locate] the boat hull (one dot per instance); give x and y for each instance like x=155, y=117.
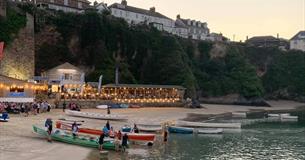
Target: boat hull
x=95, y=115
x=181, y=130
x=210, y=131
x=92, y=143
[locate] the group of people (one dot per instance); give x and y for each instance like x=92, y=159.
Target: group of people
x=71, y=106
x=25, y=108
x=118, y=136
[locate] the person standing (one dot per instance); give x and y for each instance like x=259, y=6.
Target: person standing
x=135, y=129
x=64, y=106
x=108, y=125
x=38, y=107
x=101, y=141
x=165, y=135
x=124, y=142
x=49, y=126
x=74, y=130
x=108, y=109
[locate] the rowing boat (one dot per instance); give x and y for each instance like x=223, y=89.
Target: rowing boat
x=96, y=132
x=209, y=131
x=67, y=138
x=208, y=125
x=96, y=115
x=181, y=130
x=102, y=106
x=149, y=127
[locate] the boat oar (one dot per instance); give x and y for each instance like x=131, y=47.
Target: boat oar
x=69, y=120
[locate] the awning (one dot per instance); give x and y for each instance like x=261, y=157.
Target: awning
x=16, y=100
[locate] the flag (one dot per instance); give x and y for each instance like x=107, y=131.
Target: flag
x=1, y=50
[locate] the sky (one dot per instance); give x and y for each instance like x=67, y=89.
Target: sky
x=234, y=18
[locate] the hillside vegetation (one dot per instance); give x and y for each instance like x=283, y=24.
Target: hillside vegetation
x=99, y=42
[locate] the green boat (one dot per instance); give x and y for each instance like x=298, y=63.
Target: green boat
x=68, y=138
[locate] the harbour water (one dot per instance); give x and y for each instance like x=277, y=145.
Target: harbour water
x=262, y=141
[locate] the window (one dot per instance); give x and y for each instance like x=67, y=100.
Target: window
x=67, y=76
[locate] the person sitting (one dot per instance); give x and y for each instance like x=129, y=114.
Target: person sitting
x=135, y=129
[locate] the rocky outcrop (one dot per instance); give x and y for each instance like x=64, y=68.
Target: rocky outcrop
x=19, y=56
x=234, y=99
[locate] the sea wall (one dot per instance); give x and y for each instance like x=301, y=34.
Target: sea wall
x=19, y=56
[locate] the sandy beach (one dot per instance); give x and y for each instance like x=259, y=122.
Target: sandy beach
x=18, y=142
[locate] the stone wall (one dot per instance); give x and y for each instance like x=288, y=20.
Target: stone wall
x=19, y=56
x=3, y=8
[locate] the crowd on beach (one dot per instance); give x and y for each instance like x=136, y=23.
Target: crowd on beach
x=25, y=108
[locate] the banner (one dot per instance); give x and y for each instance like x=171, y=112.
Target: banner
x=1, y=50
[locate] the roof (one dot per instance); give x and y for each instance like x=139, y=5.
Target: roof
x=180, y=24
x=65, y=66
x=138, y=10
x=142, y=86
x=297, y=36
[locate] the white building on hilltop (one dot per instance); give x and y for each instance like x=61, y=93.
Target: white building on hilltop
x=135, y=15
x=195, y=29
x=298, y=41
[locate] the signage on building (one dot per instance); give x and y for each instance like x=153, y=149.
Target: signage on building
x=16, y=94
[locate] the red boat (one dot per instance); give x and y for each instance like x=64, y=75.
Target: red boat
x=131, y=136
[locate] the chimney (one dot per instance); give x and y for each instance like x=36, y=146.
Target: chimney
x=178, y=16
x=124, y=2
x=152, y=9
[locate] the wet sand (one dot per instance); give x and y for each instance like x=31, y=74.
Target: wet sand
x=18, y=142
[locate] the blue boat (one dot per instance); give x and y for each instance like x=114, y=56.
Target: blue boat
x=181, y=130
x=126, y=129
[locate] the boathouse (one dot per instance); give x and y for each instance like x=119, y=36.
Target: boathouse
x=15, y=90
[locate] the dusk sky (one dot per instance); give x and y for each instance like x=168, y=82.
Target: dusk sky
x=239, y=17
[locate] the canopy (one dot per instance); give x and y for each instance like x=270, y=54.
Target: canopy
x=16, y=100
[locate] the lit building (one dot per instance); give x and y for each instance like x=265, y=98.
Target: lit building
x=139, y=93
x=14, y=90
x=135, y=16
x=65, y=78
x=297, y=42
x=76, y=6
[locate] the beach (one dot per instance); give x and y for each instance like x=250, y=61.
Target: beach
x=18, y=142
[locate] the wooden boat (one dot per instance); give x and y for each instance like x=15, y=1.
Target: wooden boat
x=96, y=132
x=141, y=137
x=102, y=106
x=182, y=130
x=208, y=125
x=96, y=115
x=149, y=127
x=81, y=141
x=209, y=131
x=134, y=106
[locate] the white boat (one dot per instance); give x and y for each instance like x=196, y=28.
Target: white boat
x=208, y=125
x=239, y=114
x=102, y=106
x=278, y=115
x=149, y=127
x=289, y=117
x=96, y=115
x=209, y=130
